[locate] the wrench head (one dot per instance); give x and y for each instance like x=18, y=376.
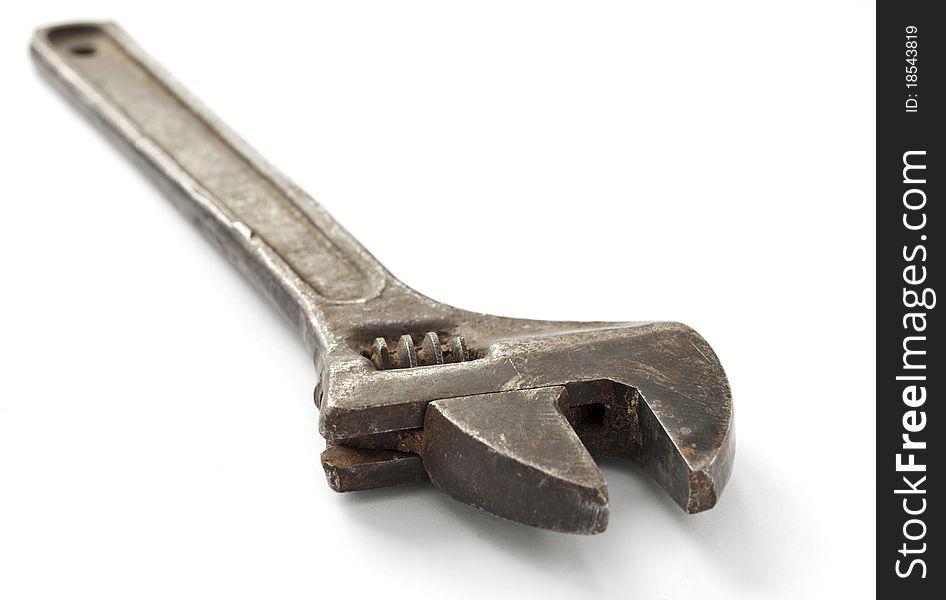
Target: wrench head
x=512, y=431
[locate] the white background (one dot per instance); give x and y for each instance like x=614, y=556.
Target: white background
x=704, y=162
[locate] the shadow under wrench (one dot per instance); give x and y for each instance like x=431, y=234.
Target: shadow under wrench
x=745, y=535
x=422, y=517
x=740, y=537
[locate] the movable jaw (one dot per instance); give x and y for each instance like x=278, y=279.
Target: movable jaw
x=512, y=430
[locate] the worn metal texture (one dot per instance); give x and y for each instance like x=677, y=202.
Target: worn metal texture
x=516, y=443
x=503, y=414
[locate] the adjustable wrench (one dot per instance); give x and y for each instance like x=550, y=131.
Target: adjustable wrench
x=502, y=414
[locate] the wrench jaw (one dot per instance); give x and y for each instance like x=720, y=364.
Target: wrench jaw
x=484, y=429
x=514, y=454
x=694, y=480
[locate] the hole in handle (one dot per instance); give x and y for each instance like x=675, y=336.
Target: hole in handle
x=79, y=39
x=83, y=49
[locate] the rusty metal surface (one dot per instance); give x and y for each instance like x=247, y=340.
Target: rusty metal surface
x=502, y=414
x=516, y=443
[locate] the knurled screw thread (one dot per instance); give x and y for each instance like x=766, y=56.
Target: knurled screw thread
x=380, y=355
x=406, y=355
x=406, y=352
x=431, y=349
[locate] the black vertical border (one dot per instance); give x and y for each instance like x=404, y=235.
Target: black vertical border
x=900, y=131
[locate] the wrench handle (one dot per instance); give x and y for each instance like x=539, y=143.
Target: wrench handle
x=275, y=233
